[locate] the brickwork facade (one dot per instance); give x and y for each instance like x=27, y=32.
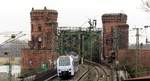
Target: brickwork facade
x=129, y=57
x=43, y=29
x=43, y=40
x=123, y=36
x=111, y=22
x=35, y=58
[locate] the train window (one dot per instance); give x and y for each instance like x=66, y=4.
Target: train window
x=64, y=61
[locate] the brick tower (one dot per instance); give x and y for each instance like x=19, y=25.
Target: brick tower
x=43, y=39
x=111, y=22
x=43, y=29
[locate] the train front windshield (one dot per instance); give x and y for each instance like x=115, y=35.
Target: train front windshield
x=64, y=61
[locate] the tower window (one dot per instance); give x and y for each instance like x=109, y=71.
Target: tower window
x=39, y=39
x=32, y=27
x=39, y=28
x=39, y=42
x=39, y=45
x=50, y=24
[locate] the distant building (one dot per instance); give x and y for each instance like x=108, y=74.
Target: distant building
x=114, y=28
x=43, y=36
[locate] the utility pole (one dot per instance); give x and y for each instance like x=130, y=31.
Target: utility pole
x=12, y=38
x=81, y=39
x=137, y=50
x=82, y=42
x=114, y=54
x=9, y=64
x=146, y=33
x=115, y=43
x=61, y=42
x=92, y=25
x=9, y=59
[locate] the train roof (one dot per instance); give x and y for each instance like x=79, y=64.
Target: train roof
x=72, y=53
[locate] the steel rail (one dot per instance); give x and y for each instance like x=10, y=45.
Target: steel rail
x=50, y=78
x=101, y=67
x=83, y=75
x=100, y=70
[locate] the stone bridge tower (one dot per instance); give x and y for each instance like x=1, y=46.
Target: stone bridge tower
x=43, y=29
x=43, y=40
x=110, y=22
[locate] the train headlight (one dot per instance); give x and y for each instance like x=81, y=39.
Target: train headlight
x=59, y=70
x=70, y=69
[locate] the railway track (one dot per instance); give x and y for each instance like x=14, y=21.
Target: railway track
x=56, y=78
x=41, y=77
x=83, y=75
x=102, y=72
x=50, y=78
x=97, y=73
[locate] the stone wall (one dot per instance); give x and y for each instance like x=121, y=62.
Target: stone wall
x=35, y=58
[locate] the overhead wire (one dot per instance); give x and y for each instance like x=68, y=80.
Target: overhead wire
x=12, y=39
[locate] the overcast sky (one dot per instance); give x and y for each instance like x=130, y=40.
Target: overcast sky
x=15, y=14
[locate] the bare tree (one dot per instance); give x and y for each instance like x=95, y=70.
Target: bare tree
x=146, y=5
